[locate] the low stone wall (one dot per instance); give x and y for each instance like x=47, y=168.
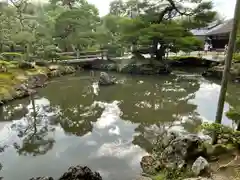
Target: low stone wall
x=131, y=67
x=190, y=62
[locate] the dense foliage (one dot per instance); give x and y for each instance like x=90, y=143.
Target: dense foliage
x=225, y=134
x=42, y=30
x=161, y=25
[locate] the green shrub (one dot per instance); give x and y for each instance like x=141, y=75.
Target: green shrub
x=235, y=70
x=236, y=57
x=12, y=56
x=9, y=64
x=113, y=49
x=234, y=114
x=175, y=174
x=224, y=133
x=49, y=52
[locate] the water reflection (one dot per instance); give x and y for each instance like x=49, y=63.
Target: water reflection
x=108, y=129
x=30, y=135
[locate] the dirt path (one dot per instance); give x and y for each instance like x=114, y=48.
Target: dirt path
x=227, y=168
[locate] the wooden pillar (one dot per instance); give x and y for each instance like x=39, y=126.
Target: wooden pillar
x=226, y=72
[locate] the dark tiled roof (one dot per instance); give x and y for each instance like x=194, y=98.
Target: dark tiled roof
x=204, y=31
x=199, y=32
x=223, y=28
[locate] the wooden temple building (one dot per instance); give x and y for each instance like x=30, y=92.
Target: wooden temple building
x=217, y=35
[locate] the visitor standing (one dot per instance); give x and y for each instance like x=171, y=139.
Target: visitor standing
x=206, y=47
x=225, y=49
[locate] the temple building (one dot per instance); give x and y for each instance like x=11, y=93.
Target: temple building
x=217, y=35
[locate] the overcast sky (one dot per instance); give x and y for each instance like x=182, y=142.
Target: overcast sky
x=224, y=7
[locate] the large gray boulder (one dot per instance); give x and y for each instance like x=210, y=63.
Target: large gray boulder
x=42, y=178
x=182, y=149
x=200, y=166
x=174, y=151
x=105, y=79
x=80, y=173
x=75, y=173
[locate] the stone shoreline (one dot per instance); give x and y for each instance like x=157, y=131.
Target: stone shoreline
x=184, y=156
x=23, y=84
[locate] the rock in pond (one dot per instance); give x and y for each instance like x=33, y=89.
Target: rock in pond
x=75, y=173
x=37, y=81
x=198, y=178
x=80, y=173
x=42, y=178
x=22, y=90
x=105, y=79
x=147, y=69
x=200, y=166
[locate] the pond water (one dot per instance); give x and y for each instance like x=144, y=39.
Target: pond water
x=108, y=129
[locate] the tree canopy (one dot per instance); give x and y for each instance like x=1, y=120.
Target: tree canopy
x=75, y=25
x=163, y=24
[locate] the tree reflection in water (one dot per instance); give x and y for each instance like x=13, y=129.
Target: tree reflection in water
x=149, y=135
x=34, y=136
x=77, y=120
x=177, y=112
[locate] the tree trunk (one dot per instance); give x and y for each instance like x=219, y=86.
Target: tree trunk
x=226, y=73
x=158, y=52
x=28, y=52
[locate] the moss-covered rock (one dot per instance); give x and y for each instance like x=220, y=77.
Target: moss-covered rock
x=19, y=79
x=217, y=72
x=25, y=65
x=187, y=61
x=106, y=65
x=150, y=165
x=175, y=160
x=147, y=69
x=59, y=70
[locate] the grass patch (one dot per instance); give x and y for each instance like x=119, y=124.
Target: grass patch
x=15, y=73
x=168, y=174
x=159, y=177
x=11, y=75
